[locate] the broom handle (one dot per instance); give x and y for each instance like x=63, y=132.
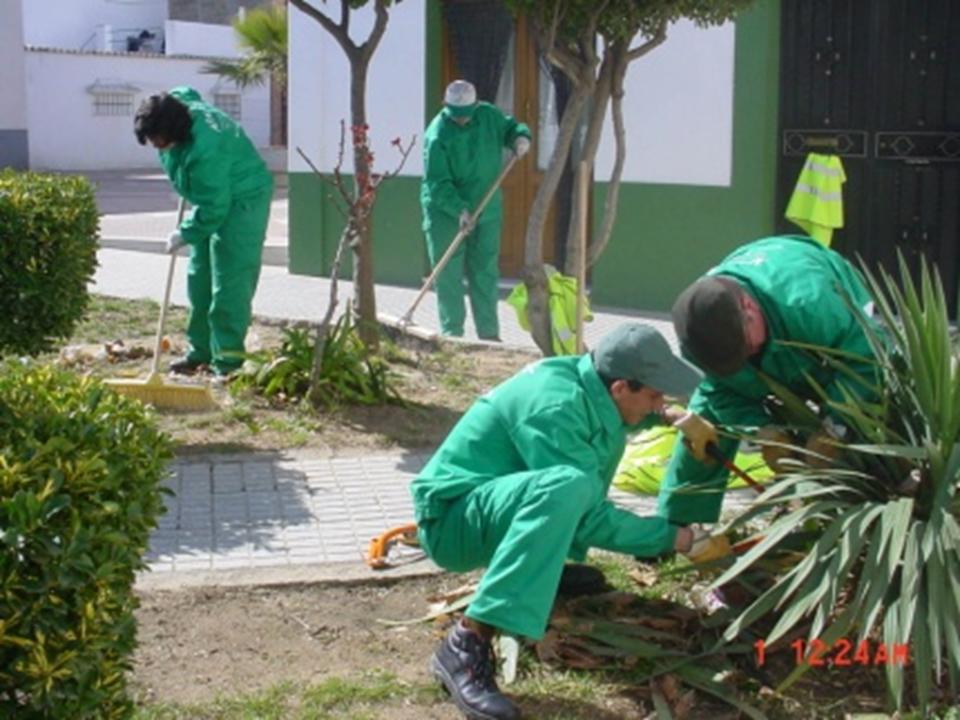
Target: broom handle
x=458, y=238
x=166, y=297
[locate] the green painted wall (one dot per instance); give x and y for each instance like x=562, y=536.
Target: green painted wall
x=667, y=235
x=315, y=226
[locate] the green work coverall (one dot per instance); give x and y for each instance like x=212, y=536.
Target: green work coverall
x=521, y=483
x=800, y=286
x=219, y=172
x=461, y=162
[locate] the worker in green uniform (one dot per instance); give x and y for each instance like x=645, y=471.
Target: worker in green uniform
x=732, y=323
x=214, y=166
x=463, y=149
x=521, y=483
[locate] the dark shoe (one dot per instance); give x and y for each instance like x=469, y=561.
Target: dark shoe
x=464, y=665
x=490, y=338
x=186, y=366
x=578, y=580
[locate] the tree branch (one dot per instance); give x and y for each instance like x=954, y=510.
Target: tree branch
x=658, y=37
x=338, y=31
x=345, y=16
x=376, y=33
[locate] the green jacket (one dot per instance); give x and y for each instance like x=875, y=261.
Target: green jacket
x=215, y=168
x=462, y=162
x=554, y=412
x=800, y=286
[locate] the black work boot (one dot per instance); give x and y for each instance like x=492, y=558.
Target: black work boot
x=464, y=666
x=186, y=366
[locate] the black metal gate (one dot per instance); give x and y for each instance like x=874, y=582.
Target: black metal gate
x=878, y=83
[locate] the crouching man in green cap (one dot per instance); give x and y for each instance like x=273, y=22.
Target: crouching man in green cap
x=521, y=483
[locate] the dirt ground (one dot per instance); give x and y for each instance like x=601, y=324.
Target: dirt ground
x=438, y=379
x=195, y=645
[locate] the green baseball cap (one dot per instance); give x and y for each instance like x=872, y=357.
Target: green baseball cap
x=634, y=351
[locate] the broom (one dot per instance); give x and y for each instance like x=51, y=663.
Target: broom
x=154, y=391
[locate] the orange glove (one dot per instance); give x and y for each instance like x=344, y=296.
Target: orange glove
x=697, y=435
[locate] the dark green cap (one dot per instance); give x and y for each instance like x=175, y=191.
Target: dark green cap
x=709, y=325
x=634, y=351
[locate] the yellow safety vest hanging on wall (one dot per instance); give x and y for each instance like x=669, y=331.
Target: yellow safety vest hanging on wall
x=562, y=304
x=817, y=201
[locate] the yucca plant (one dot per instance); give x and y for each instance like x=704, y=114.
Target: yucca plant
x=879, y=524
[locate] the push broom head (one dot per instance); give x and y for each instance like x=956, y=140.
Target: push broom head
x=165, y=396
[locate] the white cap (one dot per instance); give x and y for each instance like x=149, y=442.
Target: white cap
x=460, y=93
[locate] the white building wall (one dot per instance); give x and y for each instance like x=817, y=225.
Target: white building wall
x=319, y=89
x=69, y=24
x=13, y=108
x=190, y=38
x=678, y=111
x=66, y=135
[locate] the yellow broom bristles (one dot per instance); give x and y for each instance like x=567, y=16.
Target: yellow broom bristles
x=165, y=396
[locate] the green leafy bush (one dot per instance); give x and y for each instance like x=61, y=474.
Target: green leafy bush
x=881, y=558
x=48, y=253
x=349, y=373
x=80, y=473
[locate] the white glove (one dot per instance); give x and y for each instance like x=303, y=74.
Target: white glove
x=521, y=146
x=466, y=221
x=175, y=241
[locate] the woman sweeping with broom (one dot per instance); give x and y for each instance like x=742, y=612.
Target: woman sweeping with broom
x=213, y=165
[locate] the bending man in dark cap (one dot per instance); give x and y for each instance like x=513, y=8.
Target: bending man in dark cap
x=732, y=324
x=521, y=483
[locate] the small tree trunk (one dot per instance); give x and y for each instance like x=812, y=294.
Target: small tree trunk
x=599, y=100
x=600, y=242
x=534, y=277
x=364, y=298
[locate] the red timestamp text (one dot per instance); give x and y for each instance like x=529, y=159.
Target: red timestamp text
x=842, y=653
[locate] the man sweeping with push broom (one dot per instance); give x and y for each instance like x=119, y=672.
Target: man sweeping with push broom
x=463, y=148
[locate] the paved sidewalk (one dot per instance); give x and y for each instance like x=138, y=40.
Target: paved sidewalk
x=264, y=519
x=282, y=517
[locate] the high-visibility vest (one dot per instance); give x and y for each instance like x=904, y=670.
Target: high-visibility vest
x=817, y=201
x=562, y=304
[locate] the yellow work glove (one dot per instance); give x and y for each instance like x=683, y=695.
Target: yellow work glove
x=774, y=454
x=826, y=452
x=697, y=435
x=706, y=547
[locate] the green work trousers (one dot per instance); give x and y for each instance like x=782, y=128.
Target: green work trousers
x=522, y=527
x=479, y=256
x=221, y=280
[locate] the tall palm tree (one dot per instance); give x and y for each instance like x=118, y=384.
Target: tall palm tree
x=262, y=35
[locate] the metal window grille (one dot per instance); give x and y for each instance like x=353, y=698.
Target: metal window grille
x=113, y=103
x=229, y=103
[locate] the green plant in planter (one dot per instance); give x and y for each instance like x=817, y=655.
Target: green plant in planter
x=350, y=374
x=48, y=254
x=80, y=490
x=881, y=520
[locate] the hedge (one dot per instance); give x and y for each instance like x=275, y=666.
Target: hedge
x=81, y=473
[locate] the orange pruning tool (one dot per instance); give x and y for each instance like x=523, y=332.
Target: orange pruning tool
x=714, y=452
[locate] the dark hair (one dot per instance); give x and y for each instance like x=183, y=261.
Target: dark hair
x=162, y=116
x=634, y=385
